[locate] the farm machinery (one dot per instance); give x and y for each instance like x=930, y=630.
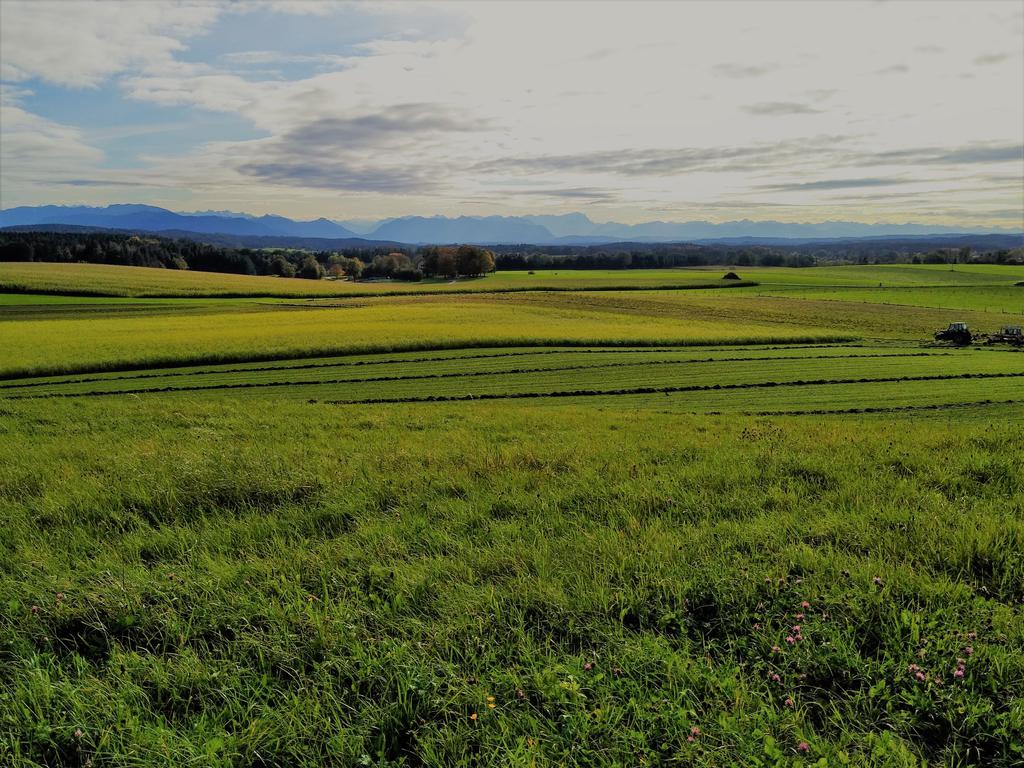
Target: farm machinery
x=960, y=334
x=956, y=333
x=1008, y=334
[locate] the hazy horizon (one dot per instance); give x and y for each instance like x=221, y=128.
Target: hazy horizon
x=880, y=113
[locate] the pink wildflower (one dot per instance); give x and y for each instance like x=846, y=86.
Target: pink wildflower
x=969, y=650
x=799, y=617
x=877, y=580
x=775, y=677
x=805, y=605
x=958, y=672
x=919, y=676
x=789, y=702
x=695, y=731
x=790, y=639
x=803, y=746
x=776, y=649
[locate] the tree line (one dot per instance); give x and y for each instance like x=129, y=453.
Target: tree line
x=449, y=262
x=668, y=255
x=153, y=251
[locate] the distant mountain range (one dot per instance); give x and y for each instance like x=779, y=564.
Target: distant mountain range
x=149, y=218
x=567, y=229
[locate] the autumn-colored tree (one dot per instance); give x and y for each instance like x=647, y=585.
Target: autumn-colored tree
x=448, y=262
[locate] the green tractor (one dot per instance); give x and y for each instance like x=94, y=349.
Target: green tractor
x=956, y=333
x=1008, y=334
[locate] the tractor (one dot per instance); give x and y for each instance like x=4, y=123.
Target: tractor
x=1008, y=334
x=957, y=333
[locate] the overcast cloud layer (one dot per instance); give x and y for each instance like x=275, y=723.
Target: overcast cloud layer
x=875, y=112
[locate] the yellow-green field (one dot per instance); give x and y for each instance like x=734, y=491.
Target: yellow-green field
x=68, y=337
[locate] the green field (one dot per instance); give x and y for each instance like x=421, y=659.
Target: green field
x=611, y=523
x=142, y=282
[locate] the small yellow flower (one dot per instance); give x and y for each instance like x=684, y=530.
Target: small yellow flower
x=491, y=704
x=473, y=716
x=490, y=698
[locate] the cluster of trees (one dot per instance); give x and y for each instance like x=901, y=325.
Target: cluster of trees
x=452, y=261
x=395, y=265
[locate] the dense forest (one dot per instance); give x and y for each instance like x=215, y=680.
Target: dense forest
x=414, y=263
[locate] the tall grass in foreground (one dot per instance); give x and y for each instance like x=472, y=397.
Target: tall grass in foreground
x=212, y=583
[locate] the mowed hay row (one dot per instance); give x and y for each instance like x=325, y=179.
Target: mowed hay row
x=606, y=363
x=569, y=374
x=498, y=357
x=818, y=399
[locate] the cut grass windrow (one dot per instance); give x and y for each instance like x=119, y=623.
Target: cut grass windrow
x=873, y=409
x=179, y=361
x=636, y=390
x=360, y=363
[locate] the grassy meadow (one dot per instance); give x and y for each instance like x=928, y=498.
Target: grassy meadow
x=564, y=519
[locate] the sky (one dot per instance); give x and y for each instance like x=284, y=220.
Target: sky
x=880, y=112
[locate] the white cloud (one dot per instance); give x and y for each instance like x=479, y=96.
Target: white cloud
x=246, y=58
x=79, y=44
x=34, y=149
x=594, y=87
